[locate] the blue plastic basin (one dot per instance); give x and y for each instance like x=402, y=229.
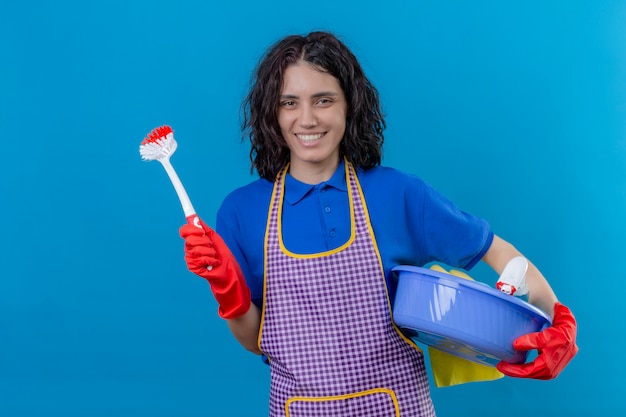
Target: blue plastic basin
x=462, y=317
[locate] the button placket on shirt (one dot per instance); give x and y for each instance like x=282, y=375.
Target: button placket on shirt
x=327, y=210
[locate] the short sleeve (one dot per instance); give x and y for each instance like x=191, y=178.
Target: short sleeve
x=241, y=223
x=451, y=235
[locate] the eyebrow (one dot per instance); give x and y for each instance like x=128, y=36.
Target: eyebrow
x=316, y=95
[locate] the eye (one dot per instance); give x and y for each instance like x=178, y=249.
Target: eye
x=288, y=103
x=324, y=102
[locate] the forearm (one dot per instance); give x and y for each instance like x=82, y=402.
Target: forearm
x=540, y=292
x=246, y=329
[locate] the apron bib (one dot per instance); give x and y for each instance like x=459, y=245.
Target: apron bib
x=326, y=327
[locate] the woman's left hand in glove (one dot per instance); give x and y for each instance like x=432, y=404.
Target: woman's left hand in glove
x=556, y=346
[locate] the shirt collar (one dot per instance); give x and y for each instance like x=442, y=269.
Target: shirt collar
x=296, y=190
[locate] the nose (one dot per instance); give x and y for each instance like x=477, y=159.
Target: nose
x=308, y=118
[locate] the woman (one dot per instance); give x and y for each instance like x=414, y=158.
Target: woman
x=301, y=265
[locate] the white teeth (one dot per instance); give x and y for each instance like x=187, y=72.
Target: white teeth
x=309, y=138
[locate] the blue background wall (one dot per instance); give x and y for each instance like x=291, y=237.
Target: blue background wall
x=515, y=110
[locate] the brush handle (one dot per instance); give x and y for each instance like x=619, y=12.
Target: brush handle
x=180, y=190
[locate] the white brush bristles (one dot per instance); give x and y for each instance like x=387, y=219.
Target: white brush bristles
x=161, y=148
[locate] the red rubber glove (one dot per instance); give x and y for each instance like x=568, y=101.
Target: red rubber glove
x=207, y=256
x=556, y=346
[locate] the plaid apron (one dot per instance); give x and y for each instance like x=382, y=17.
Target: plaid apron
x=326, y=328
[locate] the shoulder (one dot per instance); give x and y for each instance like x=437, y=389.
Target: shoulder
x=247, y=199
x=387, y=180
x=389, y=190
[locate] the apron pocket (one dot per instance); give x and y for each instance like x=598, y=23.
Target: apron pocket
x=379, y=402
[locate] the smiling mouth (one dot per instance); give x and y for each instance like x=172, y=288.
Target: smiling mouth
x=309, y=138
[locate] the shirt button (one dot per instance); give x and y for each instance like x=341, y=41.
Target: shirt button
x=327, y=209
x=332, y=233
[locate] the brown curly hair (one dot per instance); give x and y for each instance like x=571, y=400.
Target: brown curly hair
x=363, y=140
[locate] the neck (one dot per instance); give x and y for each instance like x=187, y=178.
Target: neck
x=313, y=173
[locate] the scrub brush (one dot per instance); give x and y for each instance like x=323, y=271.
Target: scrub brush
x=160, y=145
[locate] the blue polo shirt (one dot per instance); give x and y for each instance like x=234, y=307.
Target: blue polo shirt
x=413, y=224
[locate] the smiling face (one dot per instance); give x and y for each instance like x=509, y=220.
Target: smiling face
x=312, y=118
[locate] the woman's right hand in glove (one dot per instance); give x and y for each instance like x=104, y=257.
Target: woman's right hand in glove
x=207, y=256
